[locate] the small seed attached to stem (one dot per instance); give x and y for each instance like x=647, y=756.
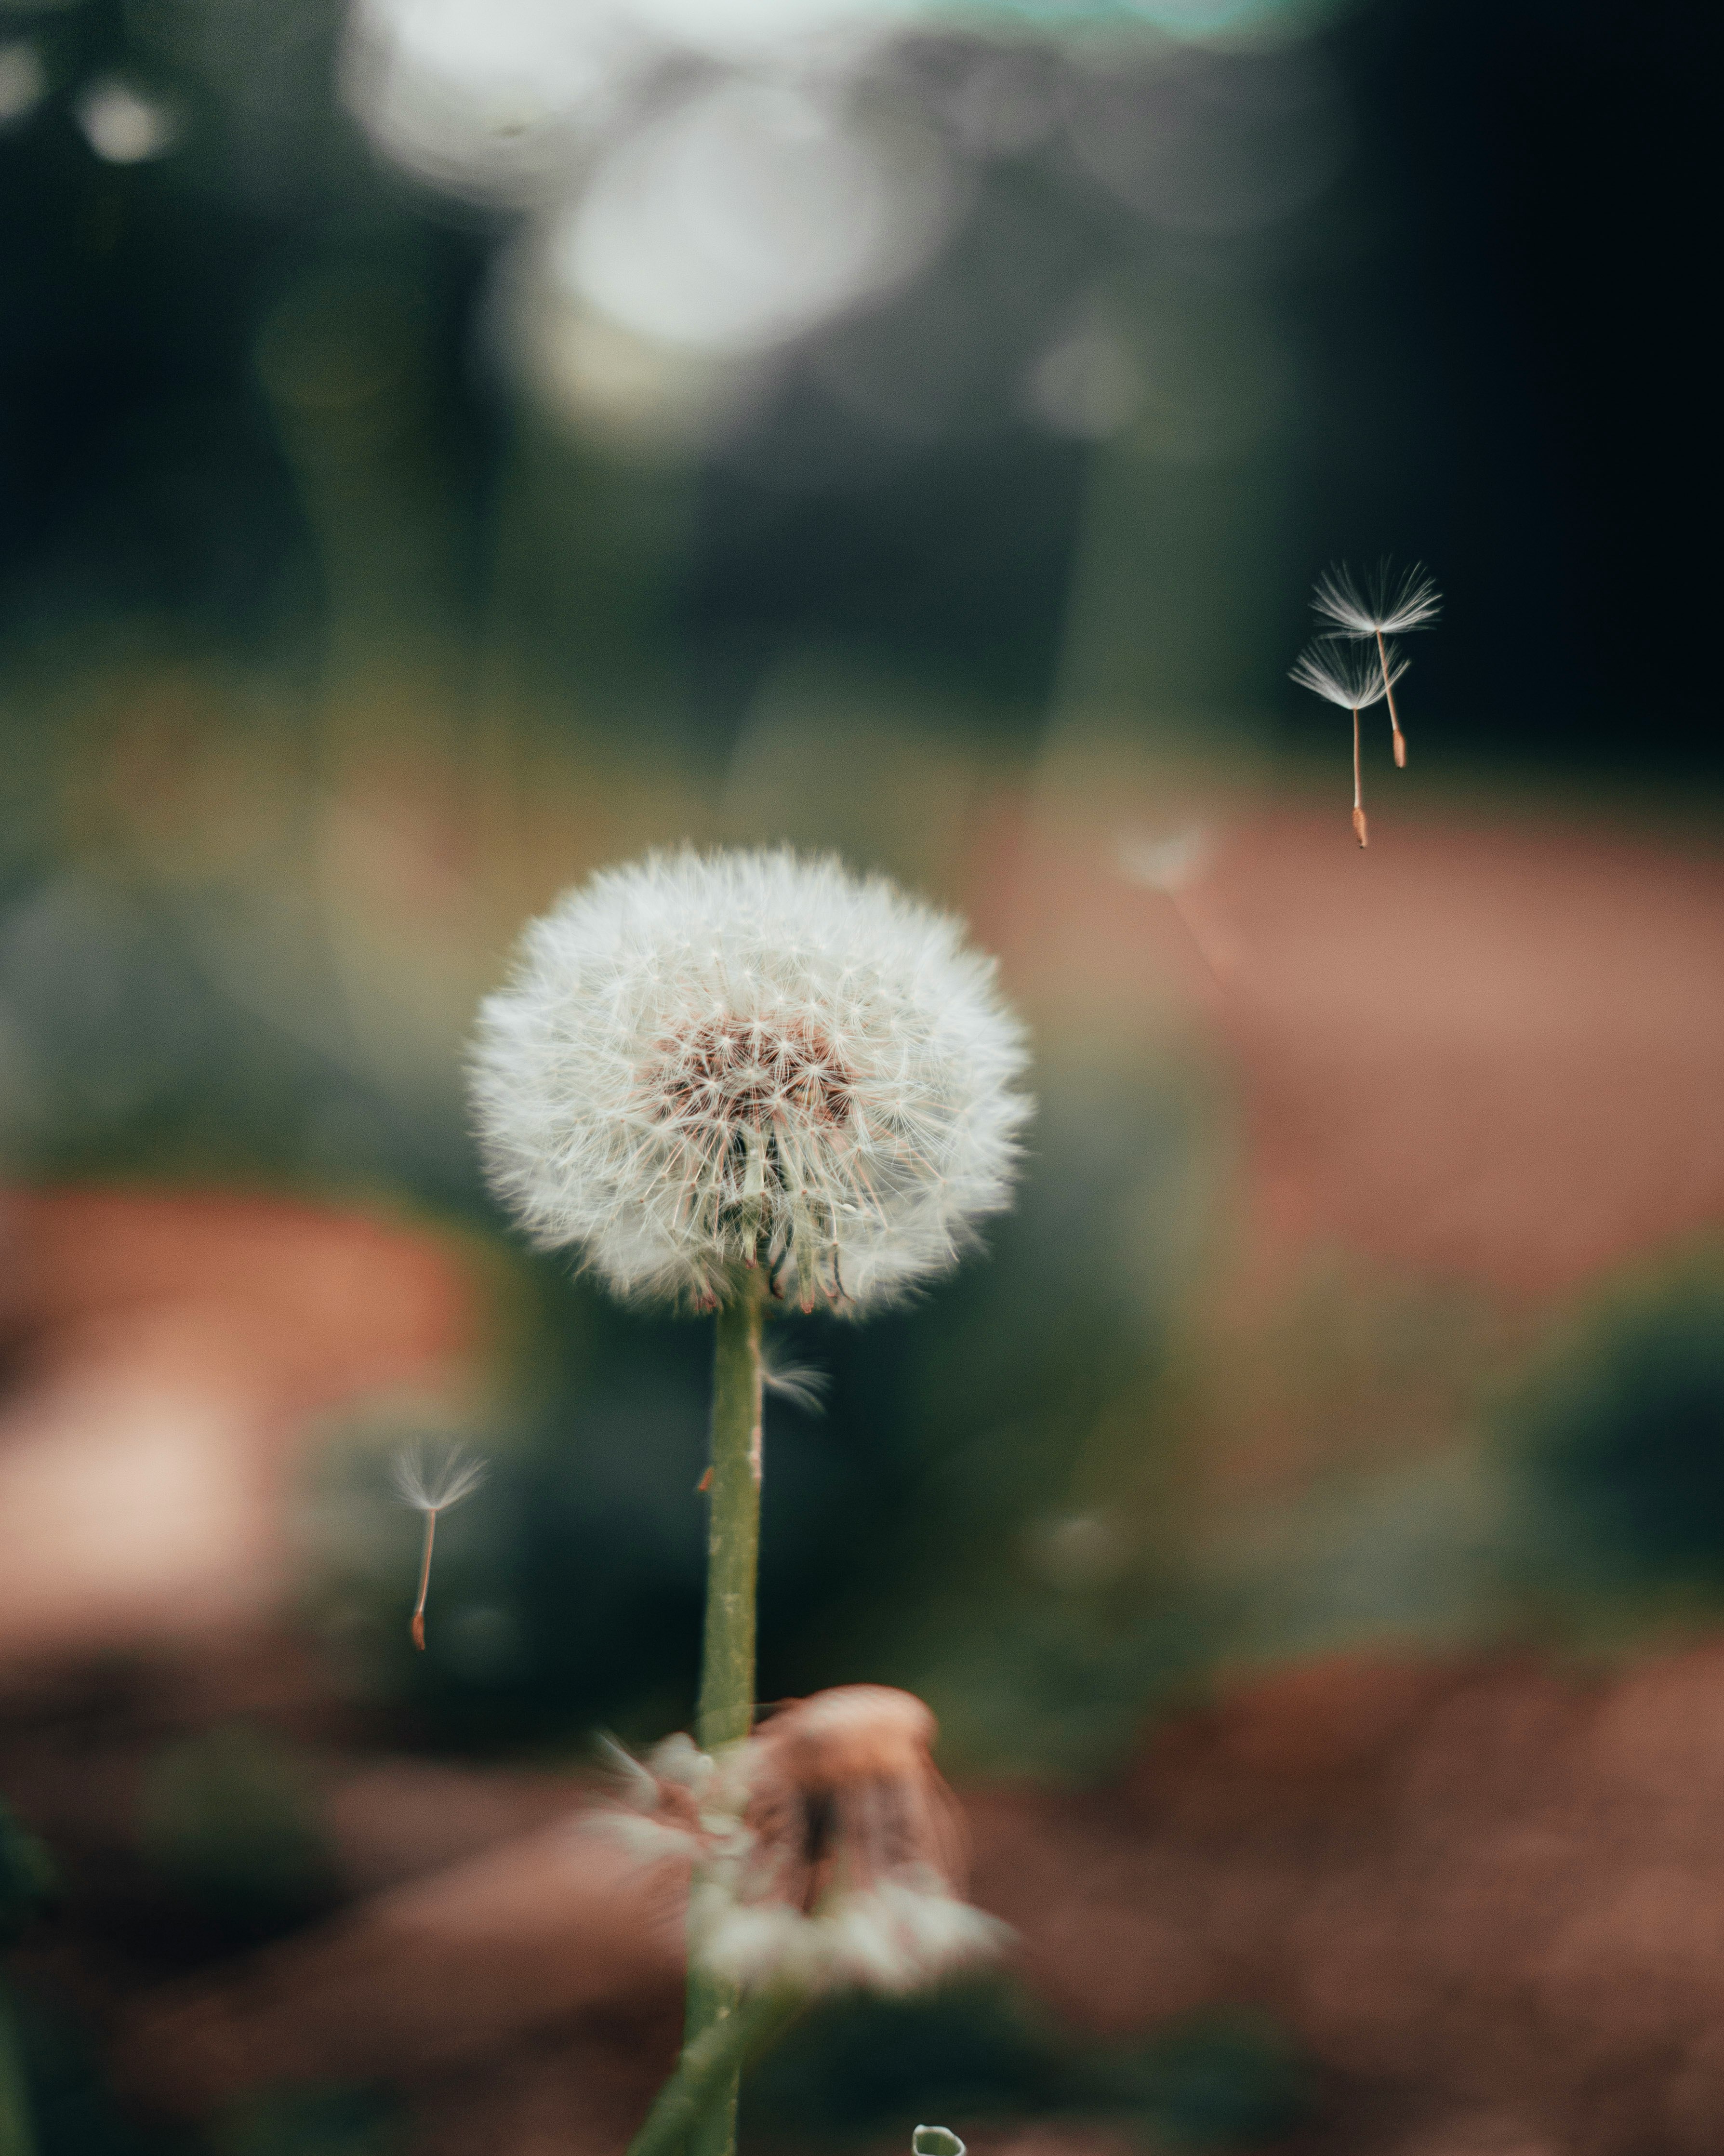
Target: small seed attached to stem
x=431, y=1484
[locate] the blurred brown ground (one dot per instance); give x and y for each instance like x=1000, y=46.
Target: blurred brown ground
x=1490, y=1897
x=1486, y=1897
x=1480, y=1892
x=1491, y=1046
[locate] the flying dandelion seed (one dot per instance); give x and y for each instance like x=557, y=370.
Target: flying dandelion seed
x=431, y=1479
x=1351, y=680
x=1389, y=608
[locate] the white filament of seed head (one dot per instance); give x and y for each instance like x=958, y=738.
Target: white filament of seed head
x=702, y=1062
x=431, y=1479
x=802, y=1385
x=1390, y=609
x=896, y=1936
x=1353, y=680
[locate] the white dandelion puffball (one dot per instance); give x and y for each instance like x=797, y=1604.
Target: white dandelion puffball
x=701, y=1063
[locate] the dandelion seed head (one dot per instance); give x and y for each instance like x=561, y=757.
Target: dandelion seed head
x=1354, y=680
x=433, y=1477
x=705, y=1061
x=1389, y=606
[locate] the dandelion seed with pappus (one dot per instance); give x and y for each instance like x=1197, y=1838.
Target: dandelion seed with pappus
x=1391, y=607
x=1352, y=681
x=432, y=1479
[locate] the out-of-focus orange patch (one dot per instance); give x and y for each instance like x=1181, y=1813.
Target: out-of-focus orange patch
x=166, y=1355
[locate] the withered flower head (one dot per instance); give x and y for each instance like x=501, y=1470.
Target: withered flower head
x=848, y=1867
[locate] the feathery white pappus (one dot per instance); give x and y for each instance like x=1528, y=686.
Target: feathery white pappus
x=432, y=1478
x=1353, y=680
x=803, y=1384
x=1389, y=607
x=702, y=1062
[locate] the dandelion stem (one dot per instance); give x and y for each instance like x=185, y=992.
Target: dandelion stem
x=1358, y=787
x=418, y=1623
x=1394, y=716
x=726, y=1713
x=703, y=2088
x=726, y=1707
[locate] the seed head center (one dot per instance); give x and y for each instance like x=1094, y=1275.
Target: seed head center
x=730, y=1075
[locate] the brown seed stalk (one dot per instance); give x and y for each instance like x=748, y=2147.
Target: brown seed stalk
x=1394, y=716
x=1359, y=826
x=418, y=1627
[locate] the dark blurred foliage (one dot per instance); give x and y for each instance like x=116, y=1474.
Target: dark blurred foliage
x=1491, y=315
x=1621, y=1444
x=979, y=2054
x=72, y=2112
x=226, y=1825
x=334, y=2122
x=26, y=1877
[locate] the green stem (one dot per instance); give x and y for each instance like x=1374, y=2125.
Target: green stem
x=725, y=1713
x=707, y=2073
x=726, y=1708
x=16, y=2137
